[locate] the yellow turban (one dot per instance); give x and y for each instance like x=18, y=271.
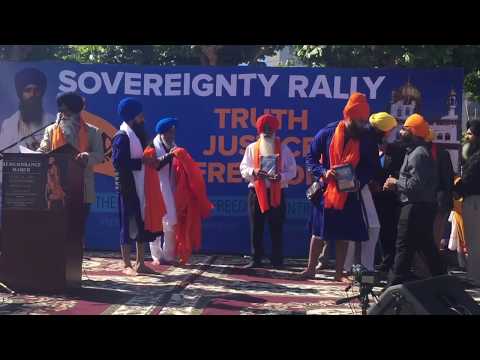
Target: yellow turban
x=383, y=121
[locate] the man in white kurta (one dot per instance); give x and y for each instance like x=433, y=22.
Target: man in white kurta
x=266, y=198
x=164, y=144
x=30, y=85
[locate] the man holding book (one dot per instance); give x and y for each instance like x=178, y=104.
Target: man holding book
x=268, y=166
x=345, y=159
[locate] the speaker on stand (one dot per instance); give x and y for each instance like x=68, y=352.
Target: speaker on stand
x=441, y=295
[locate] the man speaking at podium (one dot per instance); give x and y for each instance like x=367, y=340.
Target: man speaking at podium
x=71, y=129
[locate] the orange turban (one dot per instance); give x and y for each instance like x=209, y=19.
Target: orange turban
x=417, y=125
x=357, y=107
x=269, y=119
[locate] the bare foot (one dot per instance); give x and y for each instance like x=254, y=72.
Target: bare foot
x=307, y=274
x=143, y=269
x=156, y=262
x=342, y=278
x=129, y=271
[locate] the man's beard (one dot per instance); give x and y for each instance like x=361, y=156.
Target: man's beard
x=267, y=145
x=469, y=148
x=71, y=128
x=407, y=140
x=392, y=137
x=31, y=110
x=379, y=137
x=169, y=144
x=139, y=130
x=355, y=130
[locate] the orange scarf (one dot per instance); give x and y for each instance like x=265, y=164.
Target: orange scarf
x=275, y=186
x=339, y=155
x=58, y=137
x=457, y=214
x=155, y=208
x=191, y=203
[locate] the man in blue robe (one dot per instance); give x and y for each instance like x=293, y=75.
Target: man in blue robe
x=128, y=160
x=347, y=223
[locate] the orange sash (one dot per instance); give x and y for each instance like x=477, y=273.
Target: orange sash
x=340, y=155
x=155, y=208
x=58, y=138
x=457, y=214
x=275, y=186
x=191, y=203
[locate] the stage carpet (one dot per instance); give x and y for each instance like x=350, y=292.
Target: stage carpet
x=209, y=285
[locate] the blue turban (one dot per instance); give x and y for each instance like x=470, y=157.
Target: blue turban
x=30, y=76
x=165, y=124
x=129, y=108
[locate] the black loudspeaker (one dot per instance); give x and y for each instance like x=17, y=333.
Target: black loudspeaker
x=442, y=295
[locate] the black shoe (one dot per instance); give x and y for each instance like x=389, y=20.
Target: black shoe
x=252, y=265
x=277, y=263
x=384, y=268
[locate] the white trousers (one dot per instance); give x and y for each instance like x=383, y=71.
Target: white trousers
x=167, y=251
x=367, y=250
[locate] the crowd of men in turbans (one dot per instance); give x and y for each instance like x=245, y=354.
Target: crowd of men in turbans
x=392, y=218
x=393, y=215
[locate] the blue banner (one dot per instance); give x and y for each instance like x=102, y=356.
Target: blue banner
x=217, y=108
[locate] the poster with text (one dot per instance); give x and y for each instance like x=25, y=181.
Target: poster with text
x=217, y=108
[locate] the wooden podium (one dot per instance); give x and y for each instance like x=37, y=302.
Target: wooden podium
x=42, y=200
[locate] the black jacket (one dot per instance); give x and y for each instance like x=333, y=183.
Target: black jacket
x=470, y=181
x=417, y=182
x=445, y=179
x=392, y=162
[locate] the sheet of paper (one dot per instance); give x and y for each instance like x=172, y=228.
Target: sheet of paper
x=25, y=150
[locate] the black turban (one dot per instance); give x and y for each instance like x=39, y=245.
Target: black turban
x=72, y=101
x=30, y=76
x=474, y=127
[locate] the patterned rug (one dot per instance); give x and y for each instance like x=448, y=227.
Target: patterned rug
x=209, y=285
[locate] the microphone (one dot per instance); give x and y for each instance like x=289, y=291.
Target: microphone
x=26, y=137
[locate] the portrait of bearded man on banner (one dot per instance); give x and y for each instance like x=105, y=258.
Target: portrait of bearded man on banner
x=30, y=85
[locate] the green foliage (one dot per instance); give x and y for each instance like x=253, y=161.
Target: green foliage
x=226, y=55
x=419, y=56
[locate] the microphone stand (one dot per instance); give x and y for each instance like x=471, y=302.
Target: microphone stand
x=7, y=289
x=25, y=137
